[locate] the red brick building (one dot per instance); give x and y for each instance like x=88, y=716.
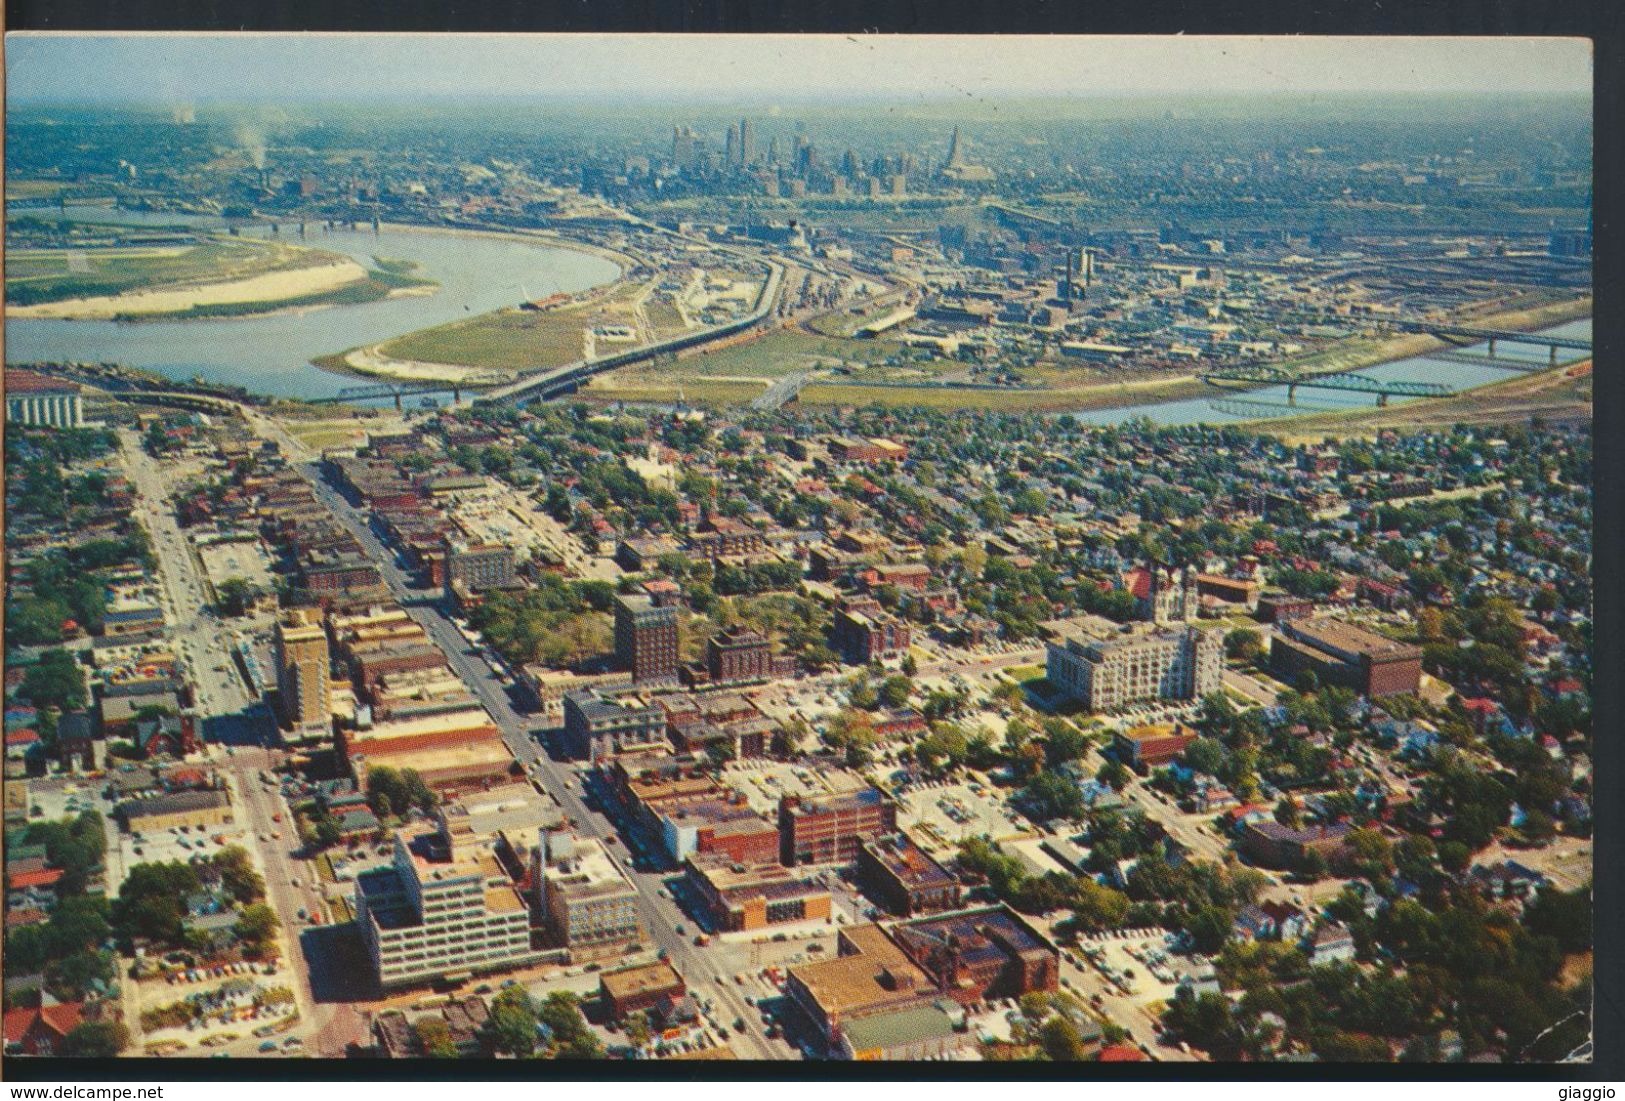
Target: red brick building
x=1151, y=746
x=635, y=989
x=41, y=1031
x=646, y=639
x=979, y=955
x=738, y=655
x=1341, y=653
x=1281, y=607
x=830, y=829
x=903, y=878
x=864, y=631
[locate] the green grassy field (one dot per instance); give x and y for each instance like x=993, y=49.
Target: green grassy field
x=55, y=275
x=664, y=316
x=522, y=340
x=692, y=391
x=507, y=340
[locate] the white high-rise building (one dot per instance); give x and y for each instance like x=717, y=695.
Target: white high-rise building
x=1105, y=666
x=433, y=914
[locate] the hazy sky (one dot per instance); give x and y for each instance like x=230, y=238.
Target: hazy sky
x=239, y=68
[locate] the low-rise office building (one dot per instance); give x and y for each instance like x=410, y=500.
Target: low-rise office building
x=597, y=726
x=829, y=829
x=903, y=878
x=1151, y=746
x=868, y=975
x=1338, y=652
x=740, y=897
x=589, y=907
x=179, y=809
x=639, y=989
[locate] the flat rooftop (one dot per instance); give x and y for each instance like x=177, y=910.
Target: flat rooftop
x=907, y=861
x=772, y=880
x=1348, y=638
x=631, y=982
x=877, y=974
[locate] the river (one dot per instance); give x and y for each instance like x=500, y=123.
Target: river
x=271, y=354
x=1455, y=374
x=478, y=273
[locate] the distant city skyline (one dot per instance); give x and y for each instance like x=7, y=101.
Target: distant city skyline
x=203, y=69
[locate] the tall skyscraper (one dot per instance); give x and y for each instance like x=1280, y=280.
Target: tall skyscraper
x=956, y=156
x=646, y=638
x=747, y=144
x=301, y=669
x=730, y=152
x=773, y=152
x=684, y=146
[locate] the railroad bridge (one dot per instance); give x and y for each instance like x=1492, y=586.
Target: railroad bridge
x=1360, y=384
x=1504, y=336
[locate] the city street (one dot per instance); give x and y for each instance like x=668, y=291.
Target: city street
x=660, y=915
x=238, y=729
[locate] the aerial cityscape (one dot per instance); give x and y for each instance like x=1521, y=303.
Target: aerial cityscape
x=766, y=549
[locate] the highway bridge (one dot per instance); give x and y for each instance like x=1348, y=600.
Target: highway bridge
x=1358, y=384
x=785, y=389
x=562, y=380
x=398, y=391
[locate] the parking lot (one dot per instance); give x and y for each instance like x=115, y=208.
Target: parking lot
x=1139, y=962
x=945, y=814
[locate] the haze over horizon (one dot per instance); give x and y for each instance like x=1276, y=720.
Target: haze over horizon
x=48, y=68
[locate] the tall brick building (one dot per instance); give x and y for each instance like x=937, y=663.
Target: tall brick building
x=479, y=566
x=646, y=638
x=302, y=669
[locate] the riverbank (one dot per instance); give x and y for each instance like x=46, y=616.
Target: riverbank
x=271, y=289
x=1102, y=393
x=1555, y=395
x=371, y=363
x=386, y=360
